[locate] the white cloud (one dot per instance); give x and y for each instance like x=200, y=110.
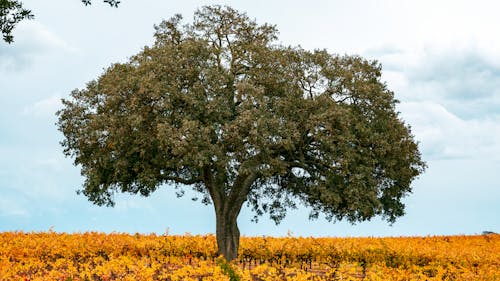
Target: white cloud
x=54, y=164
x=131, y=202
x=450, y=95
x=32, y=39
x=43, y=108
x=34, y=174
x=12, y=208
x=465, y=75
x=35, y=32
x=444, y=135
x=465, y=72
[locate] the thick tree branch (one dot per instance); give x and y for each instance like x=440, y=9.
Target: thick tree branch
x=240, y=190
x=215, y=194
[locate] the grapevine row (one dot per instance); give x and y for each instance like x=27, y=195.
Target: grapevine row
x=120, y=256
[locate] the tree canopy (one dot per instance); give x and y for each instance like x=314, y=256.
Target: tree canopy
x=218, y=105
x=12, y=12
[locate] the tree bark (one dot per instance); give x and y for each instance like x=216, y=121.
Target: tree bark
x=227, y=208
x=227, y=233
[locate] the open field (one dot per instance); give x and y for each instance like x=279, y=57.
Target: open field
x=98, y=256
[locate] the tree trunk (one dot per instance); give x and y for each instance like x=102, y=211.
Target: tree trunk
x=227, y=233
x=227, y=208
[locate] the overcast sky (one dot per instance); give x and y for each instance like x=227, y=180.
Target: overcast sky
x=441, y=58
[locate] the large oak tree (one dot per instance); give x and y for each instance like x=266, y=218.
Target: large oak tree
x=219, y=106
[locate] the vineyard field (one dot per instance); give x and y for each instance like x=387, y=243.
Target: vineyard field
x=118, y=256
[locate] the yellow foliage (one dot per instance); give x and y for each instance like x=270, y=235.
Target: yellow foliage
x=104, y=257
